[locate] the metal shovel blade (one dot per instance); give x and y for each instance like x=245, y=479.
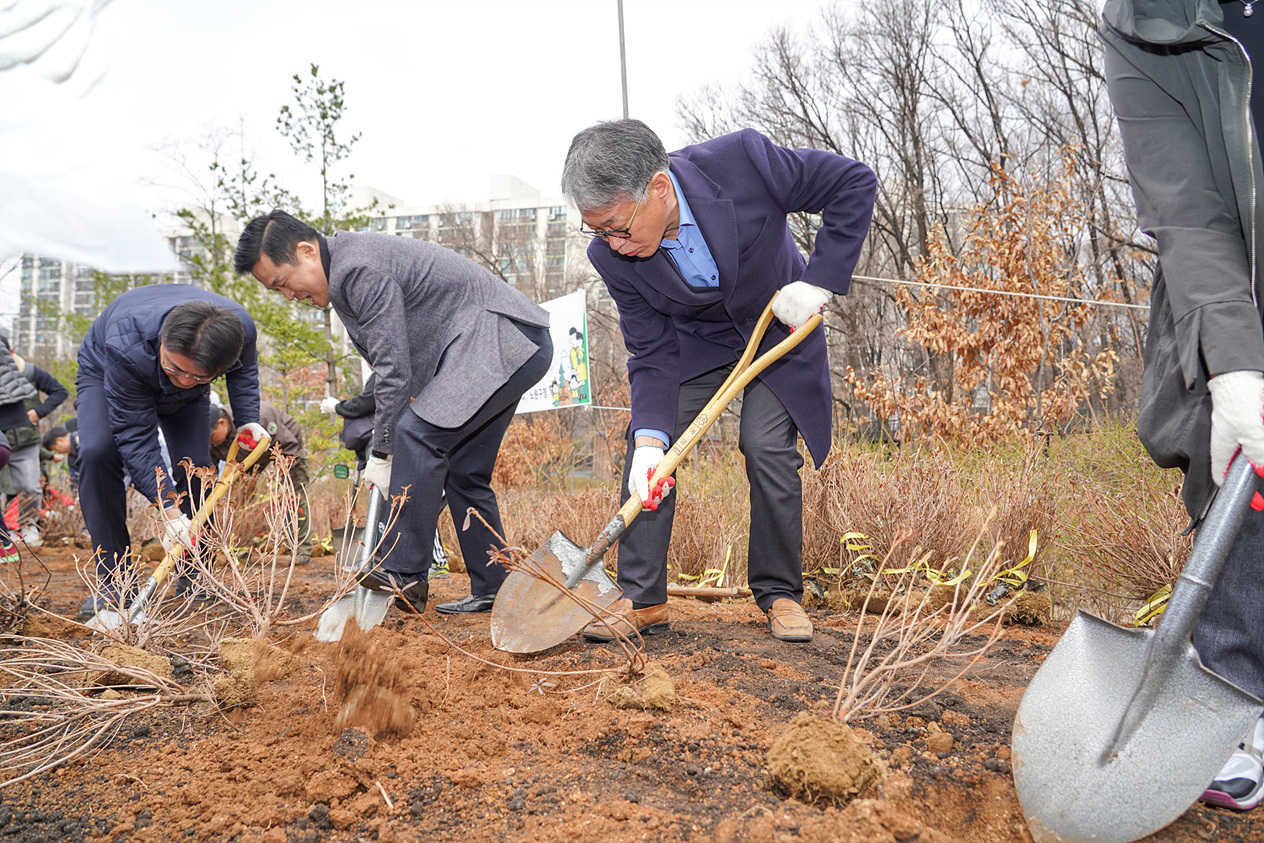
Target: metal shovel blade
x=367, y=607
x=531, y=614
x=1067, y=721
x=1121, y=730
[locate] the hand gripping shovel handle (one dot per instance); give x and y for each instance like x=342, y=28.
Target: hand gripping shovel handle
x=1166, y=648
x=743, y=373
x=232, y=469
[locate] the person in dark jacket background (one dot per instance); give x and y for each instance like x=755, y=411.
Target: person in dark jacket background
x=65, y=442
x=1179, y=77
x=17, y=395
x=357, y=434
x=25, y=471
x=287, y=434
x=146, y=364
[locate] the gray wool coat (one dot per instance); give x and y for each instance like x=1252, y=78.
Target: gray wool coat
x=1180, y=87
x=434, y=326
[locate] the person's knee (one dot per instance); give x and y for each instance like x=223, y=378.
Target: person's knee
x=97, y=455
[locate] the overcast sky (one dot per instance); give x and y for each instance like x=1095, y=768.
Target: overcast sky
x=444, y=94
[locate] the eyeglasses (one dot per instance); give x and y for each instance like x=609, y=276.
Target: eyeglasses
x=605, y=234
x=172, y=370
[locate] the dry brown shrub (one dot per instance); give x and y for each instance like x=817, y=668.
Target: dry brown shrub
x=919, y=495
x=1127, y=542
x=539, y=449
x=1028, y=354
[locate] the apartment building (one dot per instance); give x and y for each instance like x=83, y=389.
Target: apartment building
x=528, y=239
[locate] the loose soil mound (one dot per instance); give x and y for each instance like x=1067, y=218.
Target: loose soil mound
x=500, y=755
x=819, y=760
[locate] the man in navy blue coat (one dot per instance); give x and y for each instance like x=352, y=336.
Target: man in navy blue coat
x=692, y=246
x=146, y=364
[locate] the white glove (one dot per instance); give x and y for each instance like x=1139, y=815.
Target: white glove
x=1237, y=420
x=329, y=404
x=797, y=302
x=177, y=529
x=644, y=460
x=378, y=472
x=251, y=434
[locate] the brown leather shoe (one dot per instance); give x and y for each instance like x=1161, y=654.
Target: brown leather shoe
x=788, y=621
x=621, y=620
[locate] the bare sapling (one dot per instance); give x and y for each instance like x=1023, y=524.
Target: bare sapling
x=60, y=701
x=910, y=634
x=252, y=583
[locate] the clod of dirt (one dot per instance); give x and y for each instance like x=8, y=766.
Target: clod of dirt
x=34, y=628
x=122, y=654
x=879, y=600
x=377, y=709
x=818, y=759
x=1030, y=609
x=327, y=785
x=652, y=690
x=370, y=686
x=235, y=690
x=352, y=744
x=943, y=595
x=266, y=662
x=151, y=550
x=939, y=742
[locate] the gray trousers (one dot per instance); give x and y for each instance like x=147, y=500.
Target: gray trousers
x=1229, y=635
x=24, y=471
x=768, y=439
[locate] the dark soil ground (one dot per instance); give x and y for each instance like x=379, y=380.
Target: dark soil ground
x=493, y=754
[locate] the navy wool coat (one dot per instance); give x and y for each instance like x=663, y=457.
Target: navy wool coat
x=741, y=187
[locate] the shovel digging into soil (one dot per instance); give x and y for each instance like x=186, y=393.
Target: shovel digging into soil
x=1121, y=730
x=368, y=608
x=109, y=620
x=540, y=608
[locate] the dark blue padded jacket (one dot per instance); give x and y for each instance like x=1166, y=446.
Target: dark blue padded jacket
x=121, y=350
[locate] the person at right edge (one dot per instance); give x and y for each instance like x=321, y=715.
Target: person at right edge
x=692, y=246
x=1179, y=77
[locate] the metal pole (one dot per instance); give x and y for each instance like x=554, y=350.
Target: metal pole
x=623, y=62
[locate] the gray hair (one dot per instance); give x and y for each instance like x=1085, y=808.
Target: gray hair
x=612, y=162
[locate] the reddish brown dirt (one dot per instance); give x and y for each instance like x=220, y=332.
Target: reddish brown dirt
x=497, y=755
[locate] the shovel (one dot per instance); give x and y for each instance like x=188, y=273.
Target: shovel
x=1121, y=730
x=109, y=620
x=530, y=613
x=368, y=607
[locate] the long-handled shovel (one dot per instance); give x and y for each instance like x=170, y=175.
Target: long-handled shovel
x=368, y=607
x=1121, y=730
x=530, y=613
x=107, y=620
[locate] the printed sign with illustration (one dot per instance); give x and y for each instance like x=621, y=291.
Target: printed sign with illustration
x=567, y=384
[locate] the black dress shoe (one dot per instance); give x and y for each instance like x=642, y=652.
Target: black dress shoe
x=473, y=603
x=413, y=587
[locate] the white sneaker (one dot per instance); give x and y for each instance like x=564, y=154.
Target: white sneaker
x=1240, y=782
x=31, y=535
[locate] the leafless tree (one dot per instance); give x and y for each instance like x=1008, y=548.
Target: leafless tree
x=935, y=98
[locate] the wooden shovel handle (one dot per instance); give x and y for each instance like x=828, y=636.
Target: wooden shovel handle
x=743, y=373
x=232, y=469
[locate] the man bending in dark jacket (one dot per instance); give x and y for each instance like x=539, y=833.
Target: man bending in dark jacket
x=146, y=364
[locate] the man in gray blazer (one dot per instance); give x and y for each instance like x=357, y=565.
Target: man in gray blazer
x=453, y=347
